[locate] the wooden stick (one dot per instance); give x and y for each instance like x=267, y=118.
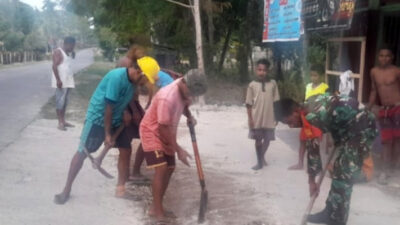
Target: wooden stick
x=315, y=195
x=97, y=161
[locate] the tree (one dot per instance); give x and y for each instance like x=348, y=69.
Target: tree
x=231, y=26
x=23, y=28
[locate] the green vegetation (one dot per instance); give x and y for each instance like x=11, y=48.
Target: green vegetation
x=230, y=27
x=23, y=28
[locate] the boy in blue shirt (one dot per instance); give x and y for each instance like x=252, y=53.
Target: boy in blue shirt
x=104, y=114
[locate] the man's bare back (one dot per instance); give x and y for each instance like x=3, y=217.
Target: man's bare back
x=386, y=80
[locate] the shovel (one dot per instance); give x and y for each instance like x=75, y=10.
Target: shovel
x=103, y=154
x=99, y=168
x=315, y=195
x=204, y=193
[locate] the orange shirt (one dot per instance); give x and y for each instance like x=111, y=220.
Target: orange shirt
x=166, y=108
x=308, y=131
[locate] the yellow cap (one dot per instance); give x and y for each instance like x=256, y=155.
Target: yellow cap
x=150, y=68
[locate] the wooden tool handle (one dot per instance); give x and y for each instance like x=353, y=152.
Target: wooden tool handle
x=315, y=195
x=196, y=154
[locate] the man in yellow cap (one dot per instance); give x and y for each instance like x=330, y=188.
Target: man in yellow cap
x=132, y=116
x=149, y=67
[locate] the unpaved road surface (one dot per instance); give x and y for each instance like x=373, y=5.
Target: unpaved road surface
x=34, y=168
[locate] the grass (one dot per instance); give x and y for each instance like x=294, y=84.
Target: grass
x=220, y=92
x=86, y=82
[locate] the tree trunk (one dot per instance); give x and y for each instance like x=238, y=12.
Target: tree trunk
x=225, y=48
x=278, y=61
x=243, y=58
x=199, y=42
x=210, y=22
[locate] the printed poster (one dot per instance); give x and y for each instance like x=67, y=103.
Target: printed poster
x=282, y=20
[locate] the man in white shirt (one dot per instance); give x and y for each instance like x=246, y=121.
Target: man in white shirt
x=63, y=79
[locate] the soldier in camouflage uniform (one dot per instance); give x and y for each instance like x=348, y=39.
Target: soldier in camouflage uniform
x=353, y=131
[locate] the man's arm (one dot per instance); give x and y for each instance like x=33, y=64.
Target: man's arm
x=373, y=94
x=168, y=140
x=189, y=116
x=108, y=124
x=57, y=59
x=398, y=75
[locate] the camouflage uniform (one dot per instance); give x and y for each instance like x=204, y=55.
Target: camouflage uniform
x=353, y=131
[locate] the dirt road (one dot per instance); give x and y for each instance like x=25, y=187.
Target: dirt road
x=34, y=168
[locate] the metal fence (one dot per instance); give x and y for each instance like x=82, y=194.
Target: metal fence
x=7, y=57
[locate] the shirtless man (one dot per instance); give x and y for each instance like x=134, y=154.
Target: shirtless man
x=386, y=86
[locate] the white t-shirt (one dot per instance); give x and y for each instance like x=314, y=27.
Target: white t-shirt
x=64, y=72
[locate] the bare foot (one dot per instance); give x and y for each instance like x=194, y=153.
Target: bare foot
x=61, y=127
x=265, y=163
x=61, y=199
x=66, y=124
x=163, y=221
x=257, y=167
x=296, y=167
x=120, y=192
x=166, y=214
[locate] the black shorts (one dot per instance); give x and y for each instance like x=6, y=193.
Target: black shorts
x=159, y=158
x=262, y=133
x=125, y=137
x=92, y=137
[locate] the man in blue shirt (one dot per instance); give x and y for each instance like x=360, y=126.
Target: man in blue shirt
x=104, y=114
x=132, y=116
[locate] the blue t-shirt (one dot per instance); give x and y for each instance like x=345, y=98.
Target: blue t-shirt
x=116, y=89
x=163, y=79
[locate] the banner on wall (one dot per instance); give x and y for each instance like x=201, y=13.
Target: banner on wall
x=282, y=20
x=328, y=15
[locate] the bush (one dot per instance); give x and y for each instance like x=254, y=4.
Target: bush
x=292, y=86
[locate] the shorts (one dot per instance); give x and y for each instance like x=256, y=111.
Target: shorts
x=159, y=158
x=389, y=121
x=92, y=137
x=62, y=97
x=268, y=134
x=130, y=132
x=125, y=138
